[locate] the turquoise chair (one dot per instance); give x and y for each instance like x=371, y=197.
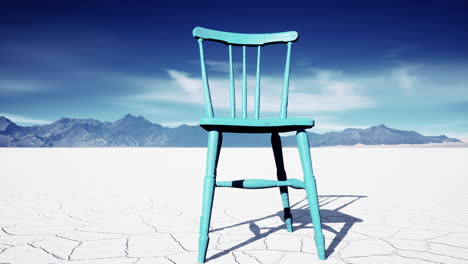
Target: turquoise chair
x=216, y=126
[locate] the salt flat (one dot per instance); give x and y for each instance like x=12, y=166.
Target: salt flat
x=142, y=205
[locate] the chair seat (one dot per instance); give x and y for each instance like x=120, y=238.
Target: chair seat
x=240, y=125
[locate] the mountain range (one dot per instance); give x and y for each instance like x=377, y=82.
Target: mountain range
x=133, y=131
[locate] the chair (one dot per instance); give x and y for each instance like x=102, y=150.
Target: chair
x=216, y=126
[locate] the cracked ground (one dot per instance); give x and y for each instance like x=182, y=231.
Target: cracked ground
x=105, y=206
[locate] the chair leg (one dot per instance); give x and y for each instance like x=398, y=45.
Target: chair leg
x=281, y=175
x=311, y=190
x=214, y=147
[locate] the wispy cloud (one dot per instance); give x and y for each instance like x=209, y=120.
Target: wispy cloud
x=184, y=81
x=142, y=107
x=22, y=86
x=302, y=62
x=406, y=77
x=319, y=92
x=314, y=93
x=327, y=91
x=23, y=120
x=178, y=87
x=179, y=123
x=330, y=126
x=455, y=128
x=451, y=124
x=327, y=123
x=222, y=66
x=399, y=51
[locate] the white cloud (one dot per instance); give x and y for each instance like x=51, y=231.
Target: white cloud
x=22, y=120
x=222, y=66
x=454, y=123
x=330, y=126
x=185, y=82
x=179, y=87
x=455, y=128
x=22, y=86
x=318, y=91
x=406, y=77
x=302, y=62
x=322, y=91
x=142, y=107
x=399, y=51
x=327, y=91
x=179, y=123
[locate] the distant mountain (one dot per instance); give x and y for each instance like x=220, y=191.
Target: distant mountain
x=377, y=135
x=133, y=131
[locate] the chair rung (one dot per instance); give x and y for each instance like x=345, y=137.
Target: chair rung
x=261, y=184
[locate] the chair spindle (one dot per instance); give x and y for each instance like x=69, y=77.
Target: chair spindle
x=284, y=97
x=233, y=89
x=208, y=104
x=257, y=88
x=244, y=85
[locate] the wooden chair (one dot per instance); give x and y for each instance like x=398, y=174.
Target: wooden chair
x=243, y=124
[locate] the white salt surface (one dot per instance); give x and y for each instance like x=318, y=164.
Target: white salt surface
x=129, y=205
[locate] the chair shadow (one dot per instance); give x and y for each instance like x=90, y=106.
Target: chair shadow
x=301, y=218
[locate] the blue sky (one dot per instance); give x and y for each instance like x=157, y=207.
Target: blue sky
x=356, y=63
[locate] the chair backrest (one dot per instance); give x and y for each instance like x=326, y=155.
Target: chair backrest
x=238, y=39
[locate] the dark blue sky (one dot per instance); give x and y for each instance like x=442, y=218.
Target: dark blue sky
x=356, y=63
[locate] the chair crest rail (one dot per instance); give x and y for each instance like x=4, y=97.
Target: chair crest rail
x=244, y=38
